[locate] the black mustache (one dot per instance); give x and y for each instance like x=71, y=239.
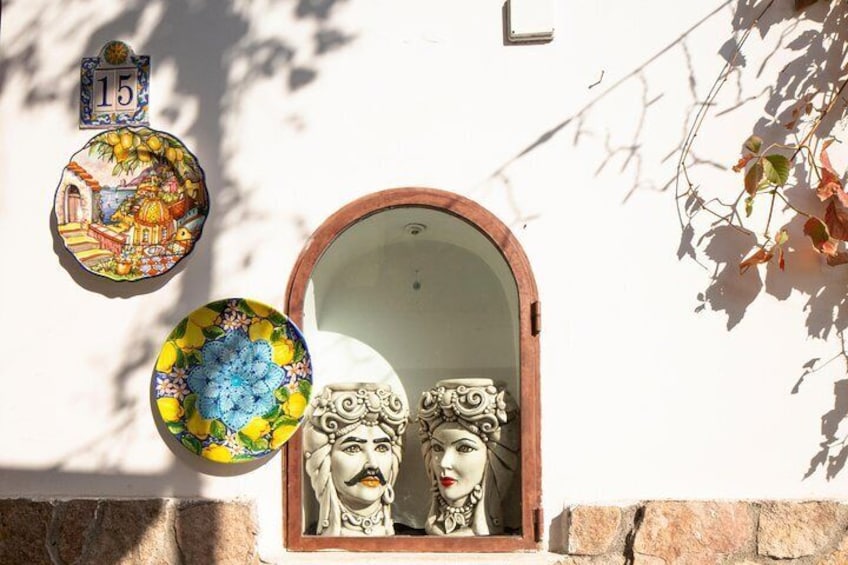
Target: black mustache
x=365, y=473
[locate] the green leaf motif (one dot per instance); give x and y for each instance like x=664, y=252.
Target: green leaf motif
x=218, y=430
x=181, y=359
x=281, y=394
x=218, y=306
x=242, y=305
x=261, y=444
x=116, y=170
x=213, y=332
x=776, y=168
x=272, y=413
x=189, y=405
x=278, y=334
x=283, y=421
x=176, y=427
x=180, y=330
x=195, y=358
x=245, y=441
x=305, y=387
x=243, y=457
x=277, y=319
x=192, y=444
x=299, y=352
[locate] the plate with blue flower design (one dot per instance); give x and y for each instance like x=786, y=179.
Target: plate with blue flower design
x=232, y=380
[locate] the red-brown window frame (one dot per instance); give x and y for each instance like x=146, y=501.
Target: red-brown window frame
x=528, y=309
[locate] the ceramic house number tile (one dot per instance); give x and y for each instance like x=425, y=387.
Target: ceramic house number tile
x=114, y=88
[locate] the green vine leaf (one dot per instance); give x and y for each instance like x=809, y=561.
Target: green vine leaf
x=753, y=144
x=776, y=169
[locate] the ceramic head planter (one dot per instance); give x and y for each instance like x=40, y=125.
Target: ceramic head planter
x=470, y=442
x=352, y=441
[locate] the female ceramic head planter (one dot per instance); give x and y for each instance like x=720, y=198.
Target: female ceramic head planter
x=352, y=441
x=470, y=442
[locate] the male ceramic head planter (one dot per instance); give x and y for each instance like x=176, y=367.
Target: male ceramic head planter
x=470, y=442
x=352, y=440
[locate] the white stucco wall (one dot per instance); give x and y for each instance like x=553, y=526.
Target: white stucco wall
x=645, y=394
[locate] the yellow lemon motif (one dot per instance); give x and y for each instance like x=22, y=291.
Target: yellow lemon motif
x=143, y=153
x=217, y=453
x=167, y=357
x=112, y=138
x=169, y=408
x=170, y=154
x=256, y=428
x=281, y=435
x=178, y=154
x=126, y=140
x=121, y=152
x=203, y=317
x=154, y=143
x=199, y=426
x=261, y=310
x=193, y=337
x=260, y=329
x=295, y=405
x=283, y=351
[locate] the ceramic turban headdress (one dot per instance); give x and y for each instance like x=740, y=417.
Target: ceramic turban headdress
x=490, y=413
x=338, y=410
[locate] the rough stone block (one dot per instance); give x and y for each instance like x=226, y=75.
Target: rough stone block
x=74, y=521
x=593, y=560
x=694, y=532
x=593, y=529
x=23, y=531
x=790, y=530
x=216, y=532
x=130, y=532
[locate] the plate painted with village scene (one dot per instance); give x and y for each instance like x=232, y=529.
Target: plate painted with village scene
x=131, y=204
x=232, y=380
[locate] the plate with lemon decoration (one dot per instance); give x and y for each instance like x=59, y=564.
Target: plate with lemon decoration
x=232, y=380
x=131, y=204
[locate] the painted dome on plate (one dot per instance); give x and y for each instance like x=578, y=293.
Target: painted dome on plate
x=153, y=212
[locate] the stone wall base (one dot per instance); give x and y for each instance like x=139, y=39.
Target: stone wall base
x=706, y=533
x=161, y=531
x=182, y=532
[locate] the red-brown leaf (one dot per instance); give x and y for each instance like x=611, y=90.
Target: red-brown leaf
x=839, y=258
x=753, y=177
x=781, y=262
x=816, y=230
x=743, y=160
x=830, y=184
x=759, y=255
x=836, y=219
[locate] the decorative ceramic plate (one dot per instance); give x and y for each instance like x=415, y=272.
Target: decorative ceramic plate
x=131, y=204
x=232, y=380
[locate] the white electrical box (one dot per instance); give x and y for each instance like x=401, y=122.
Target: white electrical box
x=530, y=20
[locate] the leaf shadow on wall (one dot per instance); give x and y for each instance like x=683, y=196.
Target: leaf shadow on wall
x=216, y=54
x=817, y=65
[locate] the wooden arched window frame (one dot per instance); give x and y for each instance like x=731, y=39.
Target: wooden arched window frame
x=529, y=326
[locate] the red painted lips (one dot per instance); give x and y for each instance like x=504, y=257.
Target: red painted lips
x=447, y=481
